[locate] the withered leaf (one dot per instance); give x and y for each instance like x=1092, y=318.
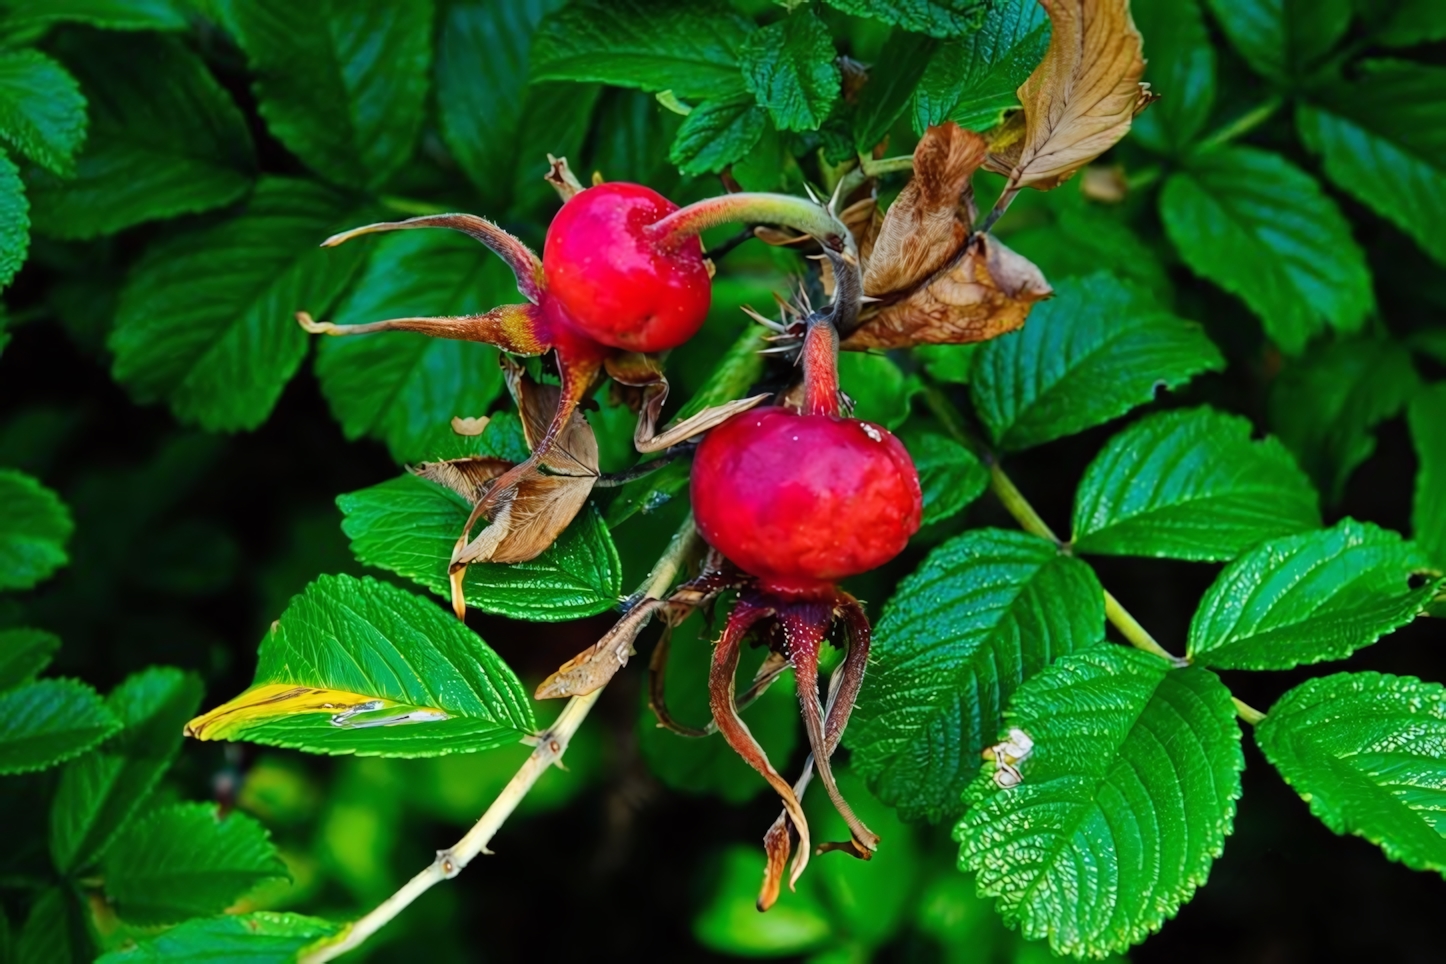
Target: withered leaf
x=986, y=293
x=644, y=375
x=1080, y=99
x=592, y=668
x=930, y=220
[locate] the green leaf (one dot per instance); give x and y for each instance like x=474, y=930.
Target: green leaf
x=23, y=654
x=42, y=112
x=403, y=387
x=481, y=77
x=1364, y=750
x=892, y=80
x=50, y=721
x=343, y=85
x=789, y=66
x=14, y=224
x=163, y=141
x=950, y=475
x=100, y=792
x=973, y=80
x=106, y=14
x=985, y=612
x=1382, y=139
x=1280, y=38
x=1310, y=598
x=1426, y=417
x=1083, y=238
x=1190, y=485
x=555, y=120
x=207, y=319
x=692, y=49
x=1127, y=797
x=1096, y=350
x=361, y=666
x=261, y=937
x=34, y=527
x=708, y=765
x=185, y=860
x=56, y=931
x=1413, y=22
x=937, y=18
x=1325, y=406
x=409, y=526
x=730, y=923
x=716, y=133
x=1181, y=71
x=1261, y=228
x=880, y=390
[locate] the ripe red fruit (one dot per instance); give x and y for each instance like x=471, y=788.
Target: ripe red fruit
x=802, y=501
x=613, y=281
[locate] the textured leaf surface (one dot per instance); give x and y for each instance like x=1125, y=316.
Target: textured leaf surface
x=343, y=85
x=1281, y=38
x=717, y=133
x=48, y=722
x=1093, y=352
x=24, y=653
x=14, y=225
x=892, y=81
x=1262, y=229
x=985, y=612
x=1181, y=70
x=692, y=50
x=34, y=527
x=1326, y=406
x=360, y=666
x=409, y=526
x=972, y=80
x=1190, y=485
x=1365, y=751
x=1084, y=238
x=42, y=112
x=403, y=387
x=481, y=76
x=100, y=792
x=937, y=18
x=1427, y=419
x=1310, y=598
x=107, y=14
x=57, y=930
x=262, y=937
x=1382, y=139
x=163, y=141
x=950, y=475
x=207, y=320
x=1127, y=798
x=789, y=67
x=185, y=860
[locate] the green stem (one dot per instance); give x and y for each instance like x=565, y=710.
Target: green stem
x=798, y=213
x=1143, y=178
x=1247, y=712
x=1135, y=634
x=1242, y=125
x=886, y=165
x=1019, y=507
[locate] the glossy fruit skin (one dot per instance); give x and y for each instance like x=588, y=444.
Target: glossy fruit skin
x=802, y=501
x=613, y=282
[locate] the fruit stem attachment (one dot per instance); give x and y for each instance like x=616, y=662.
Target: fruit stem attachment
x=754, y=208
x=820, y=367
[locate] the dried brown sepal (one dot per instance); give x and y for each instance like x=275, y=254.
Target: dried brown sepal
x=649, y=385
x=1081, y=98
x=563, y=181
x=1106, y=185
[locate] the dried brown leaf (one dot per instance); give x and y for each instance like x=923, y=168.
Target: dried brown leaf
x=986, y=292
x=592, y=668
x=644, y=376
x=1080, y=99
x=930, y=220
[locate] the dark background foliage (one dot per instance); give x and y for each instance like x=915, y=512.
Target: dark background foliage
x=188, y=544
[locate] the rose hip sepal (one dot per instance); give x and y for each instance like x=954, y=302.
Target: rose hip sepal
x=797, y=501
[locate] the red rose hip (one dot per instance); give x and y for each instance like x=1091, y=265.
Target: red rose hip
x=802, y=501
x=613, y=281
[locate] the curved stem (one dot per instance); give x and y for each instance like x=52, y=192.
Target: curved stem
x=551, y=745
x=1242, y=125
x=1247, y=712
x=886, y=165
x=798, y=213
